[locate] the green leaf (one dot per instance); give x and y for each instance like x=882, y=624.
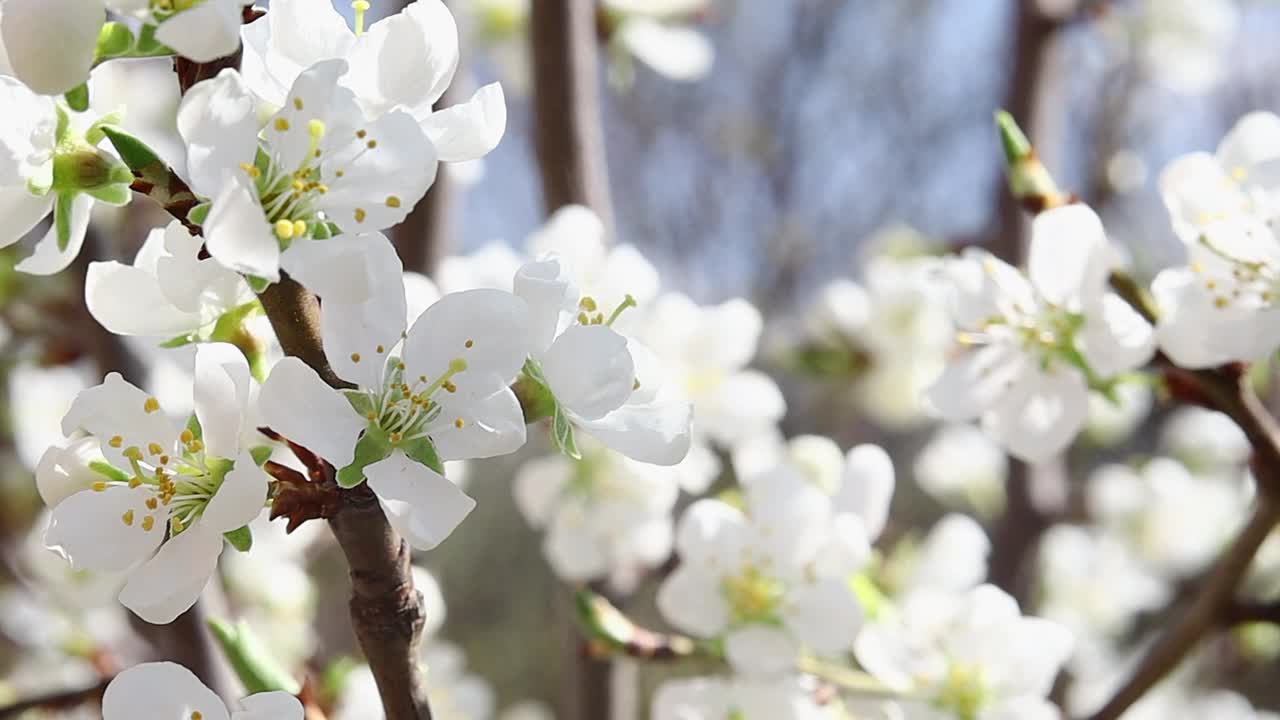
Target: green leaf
x=253, y=663
x=199, y=213
x=135, y=153
x=562, y=434
x=424, y=451
x=257, y=284
x=147, y=45
x=260, y=454
x=240, y=538
x=360, y=402
x=193, y=424
x=114, y=40
x=78, y=97
x=62, y=218
x=178, y=341
x=373, y=445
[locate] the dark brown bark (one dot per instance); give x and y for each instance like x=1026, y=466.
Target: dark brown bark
x=568, y=135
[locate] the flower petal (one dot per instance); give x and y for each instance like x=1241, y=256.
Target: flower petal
x=423, y=36
x=675, y=52
x=867, y=487
x=48, y=258
x=491, y=426
x=21, y=211
x=240, y=498
x=589, y=370
x=1063, y=261
x=758, y=650
x=421, y=504
x=488, y=329
x=384, y=174
x=88, y=529
x=976, y=380
x=128, y=301
x=657, y=432
x=275, y=705
x=359, y=336
x=1042, y=415
x=116, y=408
x=305, y=32
x=237, y=234
x=221, y=397
x=296, y=403
x=50, y=43
x=1116, y=338
x=547, y=289
x=345, y=269
x=824, y=616
x=160, y=690
x=690, y=599
x=469, y=130
x=169, y=583
x=204, y=32
x=219, y=124
x=63, y=469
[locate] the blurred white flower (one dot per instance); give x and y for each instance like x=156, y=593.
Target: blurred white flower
x=974, y=655
x=1175, y=522
x=772, y=581
x=1112, y=422
x=961, y=465
x=1206, y=441
x=1184, y=43
x=1030, y=345
x=738, y=698
x=38, y=398
x=605, y=517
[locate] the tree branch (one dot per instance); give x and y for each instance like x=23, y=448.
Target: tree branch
x=61, y=700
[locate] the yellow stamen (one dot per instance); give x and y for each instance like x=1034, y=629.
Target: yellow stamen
x=99, y=486
x=355, y=357
x=115, y=441
x=148, y=522
x=281, y=124
x=284, y=229
x=393, y=201
x=127, y=517
x=299, y=228
x=151, y=405
x=360, y=7
x=359, y=215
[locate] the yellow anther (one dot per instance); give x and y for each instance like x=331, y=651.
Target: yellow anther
x=458, y=423
x=315, y=129
x=355, y=357
x=152, y=503
x=381, y=350
x=361, y=134
x=587, y=303
x=299, y=228
x=636, y=385
x=148, y=522
x=340, y=173
x=176, y=524
x=299, y=186
x=164, y=460
x=395, y=437
x=281, y=124
x=359, y=215
x=197, y=715
x=1220, y=302
x=371, y=415
x=133, y=452
x=297, y=104
x=469, y=344
x=115, y=441
x=195, y=446
x=322, y=188
x=186, y=437
x=583, y=319
x=127, y=517
x=251, y=170
x=100, y=485
x=135, y=481
x=393, y=201
x=450, y=387
x=284, y=229
x=151, y=405
x=598, y=319
x=154, y=448
x=457, y=365
x=371, y=144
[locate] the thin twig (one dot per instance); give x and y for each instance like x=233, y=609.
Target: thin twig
x=60, y=700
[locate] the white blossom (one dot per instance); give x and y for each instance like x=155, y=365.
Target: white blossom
x=318, y=162
x=299, y=33
x=444, y=397
x=737, y=698
x=1029, y=345
x=159, y=481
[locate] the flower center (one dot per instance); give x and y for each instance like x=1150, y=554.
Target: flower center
x=753, y=596
x=178, y=482
x=589, y=312
x=405, y=411
x=962, y=692
x=1236, y=281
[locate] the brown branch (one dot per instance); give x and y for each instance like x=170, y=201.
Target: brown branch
x=568, y=135
x=1205, y=612
x=1243, y=613
x=60, y=700
x=386, y=611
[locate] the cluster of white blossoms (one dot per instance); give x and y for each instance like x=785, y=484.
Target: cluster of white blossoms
x=667, y=458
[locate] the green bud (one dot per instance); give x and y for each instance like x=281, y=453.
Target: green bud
x=1029, y=180
x=85, y=168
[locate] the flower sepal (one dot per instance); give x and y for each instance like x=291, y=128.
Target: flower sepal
x=241, y=538
x=252, y=662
